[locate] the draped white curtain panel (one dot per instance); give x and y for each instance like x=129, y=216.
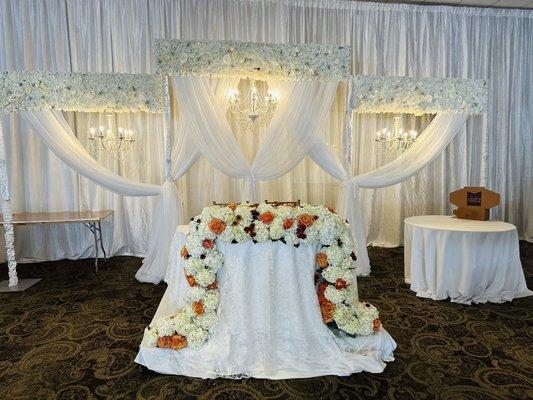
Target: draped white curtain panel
x=493, y=150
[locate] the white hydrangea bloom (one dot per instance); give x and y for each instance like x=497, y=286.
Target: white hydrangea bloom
x=165, y=326
x=276, y=229
x=205, y=277
x=196, y=338
x=211, y=300
x=243, y=215
x=207, y=320
x=195, y=293
x=193, y=265
x=150, y=337
x=214, y=260
x=335, y=295
x=331, y=274
x=335, y=255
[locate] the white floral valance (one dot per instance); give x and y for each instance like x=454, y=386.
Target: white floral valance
x=37, y=90
x=252, y=60
x=387, y=94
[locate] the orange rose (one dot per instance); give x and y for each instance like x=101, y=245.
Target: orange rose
x=184, y=253
x=340, y=284
x=321, y=289
x=190, y=280
x=216, y=226
x=207, y=244
x=232, y=206
x=376, y=325
x=213, y=285
x=327, y=309
x=287, y=223
x=306, y=220
x=322, y=259
x=174, y=342
x=198, y=307
x=266, y=217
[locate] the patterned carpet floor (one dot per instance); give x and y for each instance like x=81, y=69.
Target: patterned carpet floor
x=75, y=335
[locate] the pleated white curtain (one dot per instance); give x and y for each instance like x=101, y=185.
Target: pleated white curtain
x=385, y=39
x=288, y=137
x=56, y=133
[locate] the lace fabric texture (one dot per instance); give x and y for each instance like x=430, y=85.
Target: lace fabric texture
x=269, y=322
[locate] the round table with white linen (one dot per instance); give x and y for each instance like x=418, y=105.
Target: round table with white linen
x=464, y=260
x=269, y=323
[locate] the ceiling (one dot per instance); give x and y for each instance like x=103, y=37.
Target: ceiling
x=523, y=4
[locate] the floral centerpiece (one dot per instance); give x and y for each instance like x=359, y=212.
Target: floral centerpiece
x=259, y=223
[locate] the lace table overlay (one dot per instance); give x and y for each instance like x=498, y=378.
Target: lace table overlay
x=269, y=322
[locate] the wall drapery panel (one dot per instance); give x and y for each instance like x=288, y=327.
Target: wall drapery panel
x=492, y=150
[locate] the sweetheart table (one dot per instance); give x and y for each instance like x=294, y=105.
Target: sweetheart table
x=269, y=321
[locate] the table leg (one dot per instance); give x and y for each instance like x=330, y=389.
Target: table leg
x=101, y=240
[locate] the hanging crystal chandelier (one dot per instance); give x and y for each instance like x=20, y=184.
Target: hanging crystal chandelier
x=105, y=139
x=397, y=140
x=257, y=111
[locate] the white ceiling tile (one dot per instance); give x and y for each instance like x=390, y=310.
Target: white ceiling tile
x=442, y=1
x=511, y=3
x=479, y=3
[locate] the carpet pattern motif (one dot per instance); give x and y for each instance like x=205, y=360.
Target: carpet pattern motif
x=75, y=334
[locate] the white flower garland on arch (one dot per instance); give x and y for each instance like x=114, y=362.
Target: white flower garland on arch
x=239, y=223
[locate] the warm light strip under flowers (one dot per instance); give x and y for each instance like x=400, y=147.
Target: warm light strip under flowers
x=239, y=223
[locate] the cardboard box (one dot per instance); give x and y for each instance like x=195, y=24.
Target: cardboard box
x=474, y=202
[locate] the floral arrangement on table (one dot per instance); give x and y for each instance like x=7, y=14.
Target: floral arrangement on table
x=252, y=60
x=404, y=94
x=292, y=225
x=38, y=90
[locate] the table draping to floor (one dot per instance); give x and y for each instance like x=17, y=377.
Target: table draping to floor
x=269, y=323
x=464, y=260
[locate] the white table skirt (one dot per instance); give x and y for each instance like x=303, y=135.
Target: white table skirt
x=464, y=260
x=269, y=323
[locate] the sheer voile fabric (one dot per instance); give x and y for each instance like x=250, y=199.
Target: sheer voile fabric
x=289, y=136
x=385, y=39
x=56, y=133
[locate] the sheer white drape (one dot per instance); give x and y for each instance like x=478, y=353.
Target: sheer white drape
x=288, y=138
x=386, y=39
x=56, y=133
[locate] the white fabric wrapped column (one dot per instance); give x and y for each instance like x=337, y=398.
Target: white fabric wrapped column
x=7, y=215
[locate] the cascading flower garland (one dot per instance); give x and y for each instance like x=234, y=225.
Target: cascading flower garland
x=292, y=225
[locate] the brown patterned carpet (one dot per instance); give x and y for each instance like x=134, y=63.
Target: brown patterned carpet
x=75, y=334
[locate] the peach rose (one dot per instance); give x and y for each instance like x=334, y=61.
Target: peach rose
x=208, y=244
x=340, y=284
x=287, y=223
x=306, y=220
x=184, y=253
x=216, y=226
x=232, y=206
x=376, y=325
x=174, y=342
x=190, y=280
x=327, y=309
x=320, y=293
x=213, y=285
x=198, y=307
x=266, y=217
x=322, y=259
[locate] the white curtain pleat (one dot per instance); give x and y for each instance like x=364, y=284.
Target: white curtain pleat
x=386, y=39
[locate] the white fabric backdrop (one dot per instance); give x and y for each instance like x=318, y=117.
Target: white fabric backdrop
x=385, y=39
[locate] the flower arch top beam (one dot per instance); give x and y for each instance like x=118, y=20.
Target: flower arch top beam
x=404, y=94
x=86, y=92
x=252, y=60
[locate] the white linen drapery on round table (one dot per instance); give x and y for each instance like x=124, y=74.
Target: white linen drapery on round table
x=269, y=323
x=464, y=260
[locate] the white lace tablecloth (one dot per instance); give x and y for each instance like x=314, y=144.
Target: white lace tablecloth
x=269, y=323
x=464, y=260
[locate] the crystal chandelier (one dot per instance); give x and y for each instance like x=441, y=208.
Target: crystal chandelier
x=397, y=140
x=105, y=139
x=257, y=111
